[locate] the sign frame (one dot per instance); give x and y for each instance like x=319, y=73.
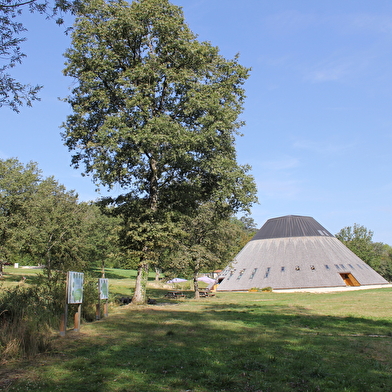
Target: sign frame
x=75, y=281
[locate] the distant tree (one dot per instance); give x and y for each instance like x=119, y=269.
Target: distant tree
x=248, y=230
x=249, y=224
x=18, y=183
x=382, y=260
x=209, y=241
x=41, y=220
x=103, y=248
x=58, y=228
x=359, y=240
x=155, y=112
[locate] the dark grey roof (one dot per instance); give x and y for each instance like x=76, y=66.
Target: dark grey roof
x=291, y=226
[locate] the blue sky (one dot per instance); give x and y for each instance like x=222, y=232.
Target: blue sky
x=318, y=112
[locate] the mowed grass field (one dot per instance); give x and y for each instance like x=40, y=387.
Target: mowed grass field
x=339, y=341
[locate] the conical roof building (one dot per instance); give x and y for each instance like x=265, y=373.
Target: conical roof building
x=295, y=252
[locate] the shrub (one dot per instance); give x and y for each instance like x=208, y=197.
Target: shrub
x=90, y=298
x=25, y=322
x=30, y=315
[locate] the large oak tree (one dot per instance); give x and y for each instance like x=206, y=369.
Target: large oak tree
x=155, y=112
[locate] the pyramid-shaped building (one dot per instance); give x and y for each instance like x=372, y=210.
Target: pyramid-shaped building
x=295, y=252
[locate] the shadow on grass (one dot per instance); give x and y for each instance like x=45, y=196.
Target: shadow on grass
x=222, y=347
x=157, y=294
x=22, y=277
x=113, y=273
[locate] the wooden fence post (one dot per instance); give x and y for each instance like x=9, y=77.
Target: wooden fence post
x=77, y=318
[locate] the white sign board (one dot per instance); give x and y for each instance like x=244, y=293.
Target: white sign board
x=103, y=287
x=75, y=287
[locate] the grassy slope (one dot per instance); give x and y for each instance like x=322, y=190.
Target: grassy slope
x=232, y=342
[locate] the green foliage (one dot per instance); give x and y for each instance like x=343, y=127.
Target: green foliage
x=26, y=321
x=156, y=112
x=43, y=223
x=383, y=264
x=17, y=187
x=30, y=315
x=247, y=229
x=359, y=240
x=13, y=93
x=209, y=241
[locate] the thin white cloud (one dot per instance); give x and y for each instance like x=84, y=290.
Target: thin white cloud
x=322, y=147
x=370, y=23
x=289, y=21
x=329, y=71
x=341, y=67
x=345, y=61
x=284, y=163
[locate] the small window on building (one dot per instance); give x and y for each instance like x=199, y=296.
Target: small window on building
x=253, y=273
x=337, y=266
x=359, y=265
x=241, y=273
x=342, y=265
x=351, y=266
x=231, y=274
x=267, y=272
x=326, y=266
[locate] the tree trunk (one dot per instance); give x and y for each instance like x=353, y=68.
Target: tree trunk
x=157, y=274
x=196, y=286
x=139, y=296
x=103, y=270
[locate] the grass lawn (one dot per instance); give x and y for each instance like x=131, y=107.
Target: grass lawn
x=254, y=342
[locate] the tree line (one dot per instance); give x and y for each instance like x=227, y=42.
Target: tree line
x=42, y=223
x=378, y=255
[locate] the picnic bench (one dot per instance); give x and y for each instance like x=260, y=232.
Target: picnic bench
x=174, y=294
x=206, y=293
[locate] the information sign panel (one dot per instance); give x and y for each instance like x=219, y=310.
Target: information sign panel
x=103, y=285
x=75, y=287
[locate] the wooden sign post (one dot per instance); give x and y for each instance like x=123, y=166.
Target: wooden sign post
x=103, y=294
x=74, y=295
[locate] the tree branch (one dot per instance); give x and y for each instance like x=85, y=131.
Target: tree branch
x=17, y=5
